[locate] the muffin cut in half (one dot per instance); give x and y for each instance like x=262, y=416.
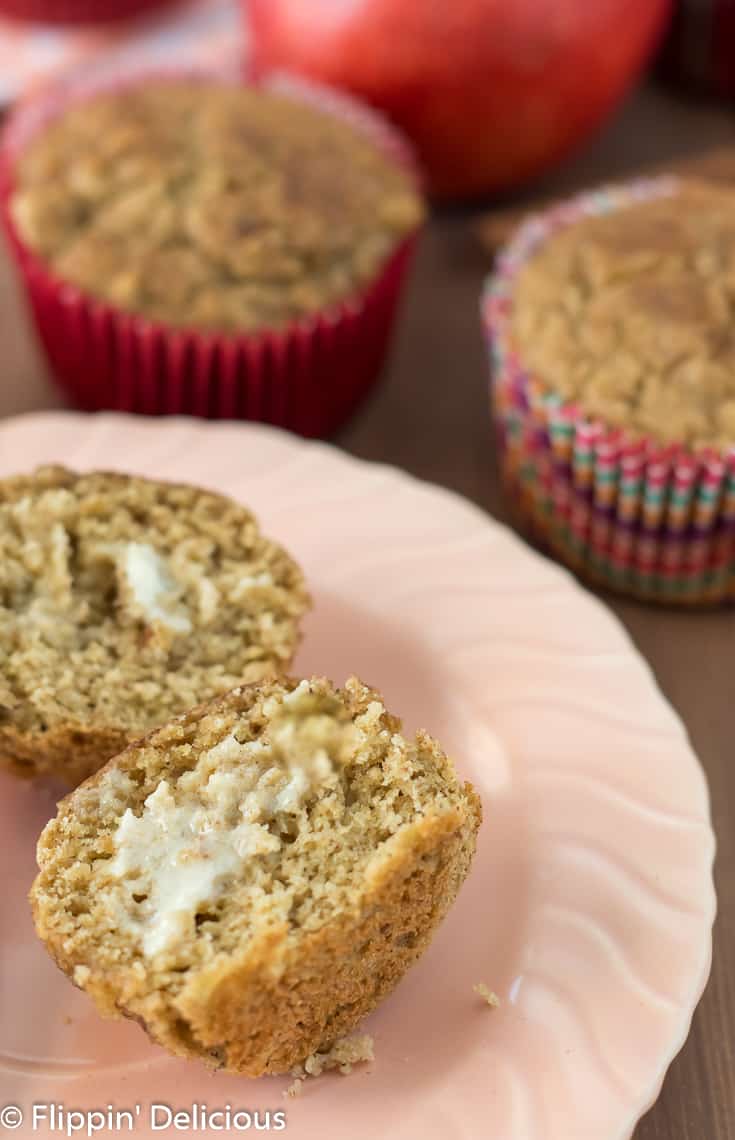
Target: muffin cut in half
x=123, y=602
x=251, y=879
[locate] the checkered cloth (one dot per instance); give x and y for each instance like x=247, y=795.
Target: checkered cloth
x=195, y=31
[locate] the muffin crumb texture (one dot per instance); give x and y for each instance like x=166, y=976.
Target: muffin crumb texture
x=630, y=315
x=250, y=879
x=343, y=1055
x=489, y=997
x=123, y=602
x=211, y=206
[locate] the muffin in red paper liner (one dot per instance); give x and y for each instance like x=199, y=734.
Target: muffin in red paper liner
x=76, y=11
x=197, y=244
x=609, y=324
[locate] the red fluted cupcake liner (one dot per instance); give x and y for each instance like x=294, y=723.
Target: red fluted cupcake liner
x=308, y=376
x=76, y=11
x=652, y=521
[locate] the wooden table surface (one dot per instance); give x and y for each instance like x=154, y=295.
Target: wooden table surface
x=430, y=416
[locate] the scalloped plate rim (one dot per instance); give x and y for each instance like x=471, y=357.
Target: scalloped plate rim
x=481, y=519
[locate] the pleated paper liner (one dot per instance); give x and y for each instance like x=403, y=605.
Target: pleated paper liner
x=654, y=522
x=309, y=376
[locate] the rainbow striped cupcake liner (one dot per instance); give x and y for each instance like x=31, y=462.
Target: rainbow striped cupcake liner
x=651, y=521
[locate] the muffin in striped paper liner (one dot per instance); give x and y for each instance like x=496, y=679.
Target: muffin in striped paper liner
x=260, y=335
x=629, y=509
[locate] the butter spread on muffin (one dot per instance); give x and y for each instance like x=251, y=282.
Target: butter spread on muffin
x=181, y=851
x=251, y=879
x=211, y=206
x=123, y=602
x=630, y=315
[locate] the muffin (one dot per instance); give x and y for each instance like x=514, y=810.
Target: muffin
x=613, y=355
x=122, y=603
x=252, y=878
x=196, y=246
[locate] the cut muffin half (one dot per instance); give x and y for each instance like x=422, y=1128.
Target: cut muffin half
x=124, y=601
x=252, y=878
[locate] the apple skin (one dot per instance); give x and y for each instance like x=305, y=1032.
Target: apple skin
x=492, y=92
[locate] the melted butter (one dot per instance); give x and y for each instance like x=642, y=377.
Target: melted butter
x=179, y=854
x=152, y=586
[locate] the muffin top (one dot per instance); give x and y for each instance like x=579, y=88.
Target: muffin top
x=211, y=206
x=630, y=315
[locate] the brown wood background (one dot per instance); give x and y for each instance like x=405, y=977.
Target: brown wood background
x=430, y=416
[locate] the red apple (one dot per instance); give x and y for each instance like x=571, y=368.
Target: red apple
x=491, y=91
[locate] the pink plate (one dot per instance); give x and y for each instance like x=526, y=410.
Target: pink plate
x=590, y=905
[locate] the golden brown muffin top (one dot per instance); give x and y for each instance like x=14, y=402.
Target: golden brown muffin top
x=630, y=314
x=211, y=206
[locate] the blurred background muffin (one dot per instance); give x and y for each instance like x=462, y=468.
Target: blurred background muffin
x=610, y=323
x=191, y=245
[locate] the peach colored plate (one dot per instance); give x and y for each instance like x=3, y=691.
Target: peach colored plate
x=590, y=905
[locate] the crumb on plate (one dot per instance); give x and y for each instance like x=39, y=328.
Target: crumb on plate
x=343, y=1055
x=488, y=995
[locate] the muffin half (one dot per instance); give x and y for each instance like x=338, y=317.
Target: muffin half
x=123, y=602
x=252, y=878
